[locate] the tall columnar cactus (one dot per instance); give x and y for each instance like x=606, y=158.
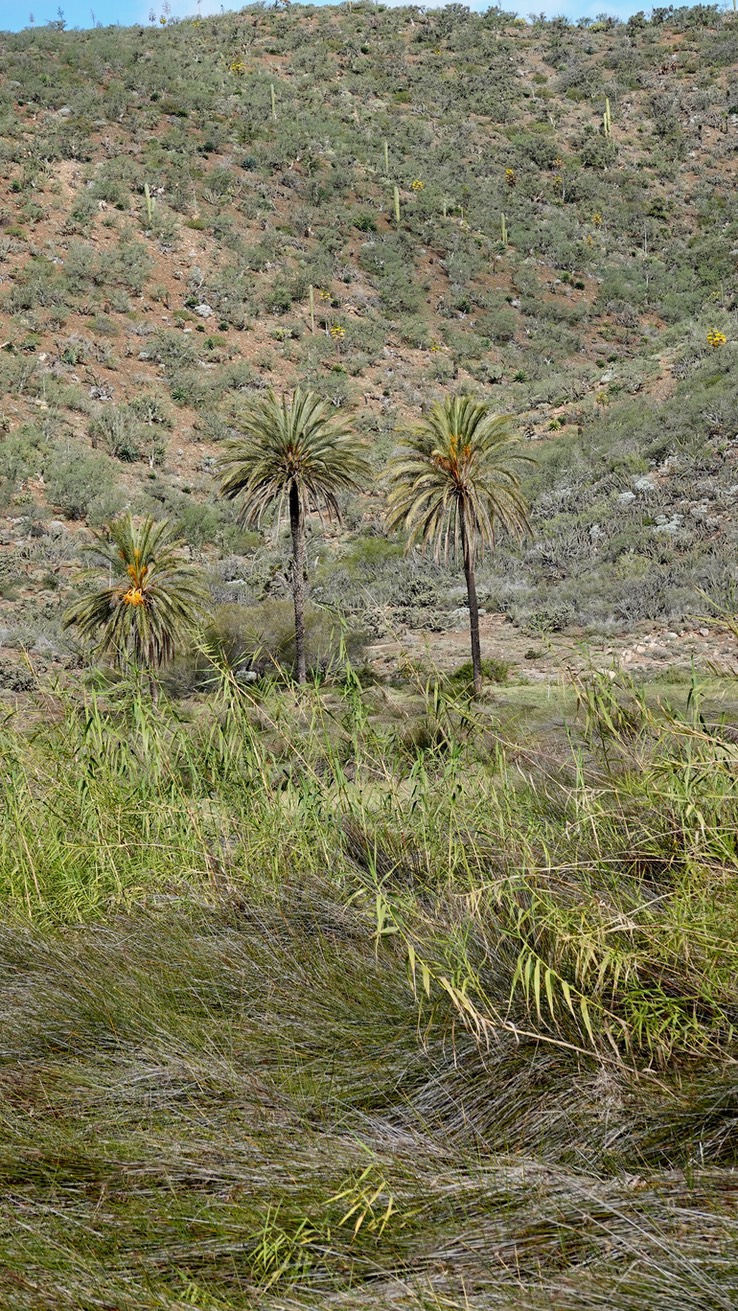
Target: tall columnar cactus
x=274, y=102
x=397, y=205
x=312, y=309
x=607, y=119
x=149, y=203
x=386, y=159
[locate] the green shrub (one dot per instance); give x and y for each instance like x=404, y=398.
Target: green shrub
x=116, y=429
x=82, y=484
x=493, y=671
x=262, y=638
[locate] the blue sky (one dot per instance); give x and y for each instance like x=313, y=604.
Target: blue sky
x=14, y=14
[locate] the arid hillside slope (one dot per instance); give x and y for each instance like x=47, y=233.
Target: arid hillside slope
x=541, y=214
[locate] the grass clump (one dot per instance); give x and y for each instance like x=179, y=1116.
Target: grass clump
x=297, y=1014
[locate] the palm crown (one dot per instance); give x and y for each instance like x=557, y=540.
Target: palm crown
x=458, y=475
x=154, y=598
x=291, y=445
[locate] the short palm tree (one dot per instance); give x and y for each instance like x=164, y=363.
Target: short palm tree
x=294, y=454
x=154, y=598
x=455, y=481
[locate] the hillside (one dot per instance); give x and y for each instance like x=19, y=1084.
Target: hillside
x=566, y=241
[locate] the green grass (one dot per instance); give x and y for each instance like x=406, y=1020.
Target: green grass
x=348, y=1002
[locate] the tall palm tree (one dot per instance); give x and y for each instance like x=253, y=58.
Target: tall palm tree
x=154, y=598
x=455, y=480
x=294, y=454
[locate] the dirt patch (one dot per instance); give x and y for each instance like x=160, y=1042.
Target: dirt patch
x=541, y=657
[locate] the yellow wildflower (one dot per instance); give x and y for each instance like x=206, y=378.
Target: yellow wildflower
x=715, y=338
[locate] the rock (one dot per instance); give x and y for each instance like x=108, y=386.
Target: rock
x=204, y=310
x=644, y=484
x=626, y=498
x=44, y=646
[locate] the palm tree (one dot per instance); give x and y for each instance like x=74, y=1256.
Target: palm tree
x=153, y=600
x=292, y=453
x=454, y=482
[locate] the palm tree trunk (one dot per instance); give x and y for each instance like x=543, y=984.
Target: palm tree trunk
x=298, y=580
x=471, y=591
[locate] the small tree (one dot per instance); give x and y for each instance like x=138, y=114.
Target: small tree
x=154, y=599
x=293, y=454
x=455, y=480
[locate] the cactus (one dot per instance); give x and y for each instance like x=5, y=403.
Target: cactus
x=386, y=160
x=149, y=203
x=274, y=102
x=607, y=119
x=503, y=229
x=397, y=205
x=312, y=309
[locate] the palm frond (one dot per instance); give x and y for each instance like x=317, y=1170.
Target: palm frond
x=291, y=442
x=461, y=461
x=154, y=599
